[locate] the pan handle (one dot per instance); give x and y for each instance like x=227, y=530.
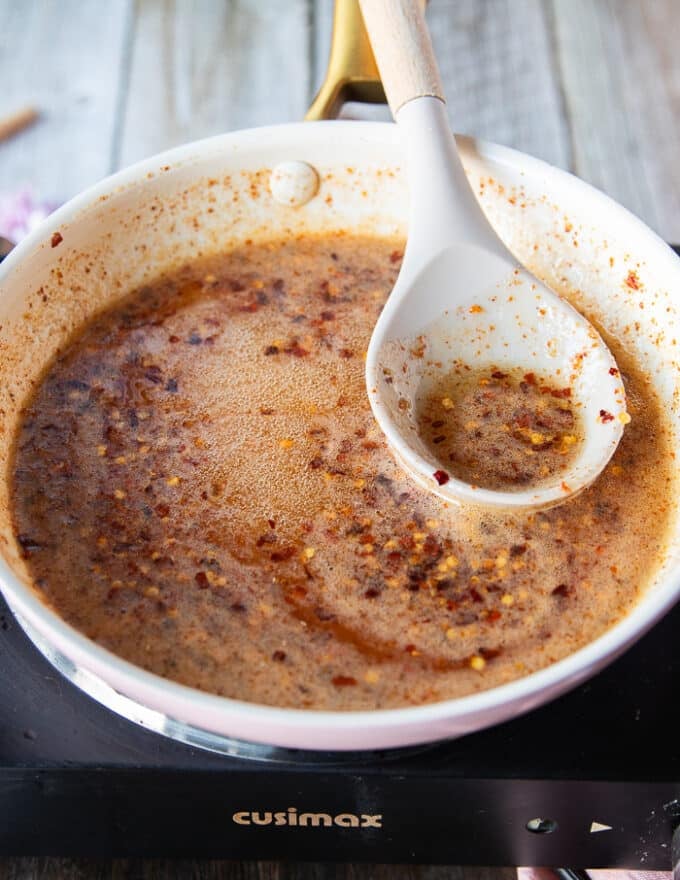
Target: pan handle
x=352, y=74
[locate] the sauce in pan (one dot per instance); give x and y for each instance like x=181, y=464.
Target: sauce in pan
x=200, y=487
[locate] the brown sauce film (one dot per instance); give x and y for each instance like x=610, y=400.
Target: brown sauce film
x=499, y=429
x=200, y=487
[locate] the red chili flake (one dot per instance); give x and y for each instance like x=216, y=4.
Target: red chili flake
x=346, y=353
x=238, y=607
x=606, y=416
x=296, y=350
x=323, y=615
x=343, y=681
x=633, y=280
x=493, y=616
x=410, y=649
x=249, y=307
x=613, y=371
x=327, y=315
x=395, y=256
x=562, y=590
x=490, y=653
x=28, y=544
x=441, y=477
x=56, y=239
x=283, y=555
x=431, y=546
x=279, y=656
x=201, y=579
x=474, y=595
x=267, y=538
x=272, y=523
x=173, y=339
x=498, y=375
x=372, y=593
x=162, y=510
x=554, y=392
x=530, y=378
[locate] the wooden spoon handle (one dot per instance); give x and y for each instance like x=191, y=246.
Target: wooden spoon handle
x=403, y=50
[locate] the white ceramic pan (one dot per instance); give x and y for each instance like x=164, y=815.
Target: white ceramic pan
x=206, y=196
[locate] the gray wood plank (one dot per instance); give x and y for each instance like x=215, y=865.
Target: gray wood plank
x=498, y=70
x=64, y=57
x=201, y=68
x=621, y=77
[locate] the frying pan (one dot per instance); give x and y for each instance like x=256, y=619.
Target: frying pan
x=214, y=194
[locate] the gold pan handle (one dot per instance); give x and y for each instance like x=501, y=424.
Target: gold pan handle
x=352, y=74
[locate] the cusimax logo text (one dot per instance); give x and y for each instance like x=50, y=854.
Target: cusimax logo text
x=291, y=817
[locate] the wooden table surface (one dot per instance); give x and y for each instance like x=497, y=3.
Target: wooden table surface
x=589, y=85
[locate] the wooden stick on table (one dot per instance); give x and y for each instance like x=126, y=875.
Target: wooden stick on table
x=16, y=122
